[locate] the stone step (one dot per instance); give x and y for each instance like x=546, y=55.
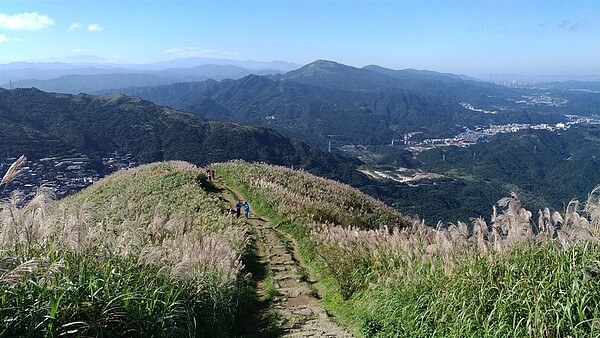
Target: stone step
x=295, y=291
x=295, y=303
x=284, y=267
x=278, y=259
x=280, y=277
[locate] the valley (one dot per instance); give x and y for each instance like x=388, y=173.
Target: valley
x=337, y=121
x=401, y=175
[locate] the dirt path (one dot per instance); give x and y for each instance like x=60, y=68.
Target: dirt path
x=293, y=297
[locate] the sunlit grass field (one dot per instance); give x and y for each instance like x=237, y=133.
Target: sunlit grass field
x=388, y=276
x=151, y=252
x=143, y=252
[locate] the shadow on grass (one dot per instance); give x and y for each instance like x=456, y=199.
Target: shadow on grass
x=261, y=321
x=209, y=186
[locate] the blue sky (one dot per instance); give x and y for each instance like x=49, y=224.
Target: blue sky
x=466, y=37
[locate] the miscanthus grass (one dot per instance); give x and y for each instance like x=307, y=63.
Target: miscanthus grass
x=143, y=252
x=297, y=195
x=516, y=276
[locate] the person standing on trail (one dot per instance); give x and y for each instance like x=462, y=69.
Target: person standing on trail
x=238, y=208
x=209, y=174
x=246, y=209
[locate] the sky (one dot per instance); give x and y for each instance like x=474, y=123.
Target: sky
x=530, y=37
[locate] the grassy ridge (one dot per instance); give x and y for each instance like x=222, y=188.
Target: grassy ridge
x=297, y=195
x=144, y=252
x=391, y=277
x=301, y=204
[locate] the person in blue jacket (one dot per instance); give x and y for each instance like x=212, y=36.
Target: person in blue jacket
x=246, y=209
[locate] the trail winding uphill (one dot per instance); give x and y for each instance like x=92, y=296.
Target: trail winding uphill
x=285, y=282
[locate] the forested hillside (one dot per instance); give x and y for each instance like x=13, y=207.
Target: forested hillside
x=544, y=168
x=41, y=124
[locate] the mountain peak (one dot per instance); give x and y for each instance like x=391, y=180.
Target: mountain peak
x=319, y=68
x=335, y=75
x=324, y=63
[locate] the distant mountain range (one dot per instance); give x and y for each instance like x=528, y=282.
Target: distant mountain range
x=326, y=102
x=322, y=103
x=57, y=75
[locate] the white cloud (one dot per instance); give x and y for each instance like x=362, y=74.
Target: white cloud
x=198, y=52
x=94, y=27
x=75, y=26
x=4, y=38
x=25, y=21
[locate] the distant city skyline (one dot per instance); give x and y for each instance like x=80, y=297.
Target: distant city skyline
x=475, y=38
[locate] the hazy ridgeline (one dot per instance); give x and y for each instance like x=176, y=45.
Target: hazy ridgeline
x=520, y=276
x=143, y=252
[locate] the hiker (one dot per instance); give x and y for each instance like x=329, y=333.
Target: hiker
x=238, y=208
x=209, y=174
x=246, y=209
x=212, y=174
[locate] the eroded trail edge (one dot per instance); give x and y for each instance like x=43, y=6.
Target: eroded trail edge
x=294, y=299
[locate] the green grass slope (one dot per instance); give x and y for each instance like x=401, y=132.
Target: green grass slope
x=387, y=276
x=144, y=252
x=150, y=252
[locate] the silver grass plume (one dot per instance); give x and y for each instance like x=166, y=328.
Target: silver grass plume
x=20, y=272
x=13, y=171
x=592, y=208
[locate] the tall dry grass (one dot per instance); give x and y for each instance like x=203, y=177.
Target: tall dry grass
x=84, y=224
x=514, y=276
x=156, y=219
x=512, y=227
x=13, y=171
x=517, y=276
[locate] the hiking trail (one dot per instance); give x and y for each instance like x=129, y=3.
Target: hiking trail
x=296, y=299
